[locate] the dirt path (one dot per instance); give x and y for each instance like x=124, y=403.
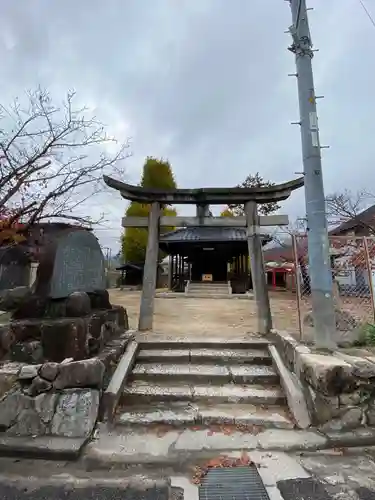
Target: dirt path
x=216, y=317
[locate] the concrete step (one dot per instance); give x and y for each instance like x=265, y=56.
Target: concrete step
x=208, y=295
x=146, y=392
x=202, y=355
x=208, y=284
x=208, y=288
x=160, y=341
x=216, y=374
x=182, y=414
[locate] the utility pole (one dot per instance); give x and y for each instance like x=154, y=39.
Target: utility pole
x=317, y=232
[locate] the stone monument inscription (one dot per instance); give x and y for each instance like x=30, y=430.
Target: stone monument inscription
x=74, y=264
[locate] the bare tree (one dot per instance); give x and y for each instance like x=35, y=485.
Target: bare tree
x=344, y=206
x=52, y=159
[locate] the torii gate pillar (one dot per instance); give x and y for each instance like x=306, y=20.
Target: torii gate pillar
x=258, y=274
x=150, y=270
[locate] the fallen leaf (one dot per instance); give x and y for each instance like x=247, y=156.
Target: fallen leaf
x=200, y=472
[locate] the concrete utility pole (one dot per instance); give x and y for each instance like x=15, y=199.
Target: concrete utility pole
x=318, y=244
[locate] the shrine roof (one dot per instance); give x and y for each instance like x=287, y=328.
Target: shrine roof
x=208, y=234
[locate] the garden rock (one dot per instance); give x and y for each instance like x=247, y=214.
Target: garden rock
x=29, y=372
x=84, y=373
x=49, y=371
x=39, y=385
x=78, y=304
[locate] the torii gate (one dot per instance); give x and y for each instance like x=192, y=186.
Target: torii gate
x=203, y=198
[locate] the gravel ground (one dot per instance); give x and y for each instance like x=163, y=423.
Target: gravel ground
x=221, y=317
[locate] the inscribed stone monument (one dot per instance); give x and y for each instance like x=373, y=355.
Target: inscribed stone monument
x=73, y=262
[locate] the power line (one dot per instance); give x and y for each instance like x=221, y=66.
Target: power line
x=367, y=12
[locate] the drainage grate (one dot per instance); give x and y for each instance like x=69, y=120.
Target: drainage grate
x=233, y=483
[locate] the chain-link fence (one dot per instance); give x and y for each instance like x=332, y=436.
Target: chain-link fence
x=353, y=271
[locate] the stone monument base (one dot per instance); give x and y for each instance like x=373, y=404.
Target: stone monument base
x=49, y=410
x=77, y=327
x=54, y=339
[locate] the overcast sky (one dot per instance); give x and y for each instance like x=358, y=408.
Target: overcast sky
x=203, y=83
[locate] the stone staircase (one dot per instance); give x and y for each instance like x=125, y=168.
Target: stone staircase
x=203, y=382
x=208, y=289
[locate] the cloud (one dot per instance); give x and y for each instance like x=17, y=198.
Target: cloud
x=201, y=82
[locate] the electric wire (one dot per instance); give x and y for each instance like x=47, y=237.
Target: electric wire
x=367, y=12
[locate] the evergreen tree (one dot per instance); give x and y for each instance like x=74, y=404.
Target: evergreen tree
x=252, y=181
x=156, y=174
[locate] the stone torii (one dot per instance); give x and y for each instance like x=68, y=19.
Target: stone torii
x=203, y=198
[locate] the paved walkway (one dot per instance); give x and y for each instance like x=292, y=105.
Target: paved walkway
x=329, y=475
x=216, y=317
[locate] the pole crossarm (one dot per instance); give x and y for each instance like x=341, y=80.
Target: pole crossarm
x=213, y=196
x=180, y=221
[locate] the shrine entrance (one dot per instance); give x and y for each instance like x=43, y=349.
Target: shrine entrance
x=207, y=263
x=201, y=255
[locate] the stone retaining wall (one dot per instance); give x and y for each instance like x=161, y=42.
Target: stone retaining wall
x=56, y=399
x=339, y=389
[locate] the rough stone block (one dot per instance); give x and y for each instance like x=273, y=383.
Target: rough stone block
x=28, y=424
x=78, y=304
x=11, y=406
x=102, y=325
x=350, y=419
x=7, y=382
x=362, y=368
x=64, y=338
x=39, y=385
x=327, y=374
x=370, y=414
x=28, y=372
x=322, y=407
x=120, y=316
x=12, y=298
x=94, y=323
x=26, y=329
x=34, y=306
x=113, y=350
x=7, y=337
x=49, y=371
x=84, y=373
x=76, y=413
x=27, y=352
x=351, y=399
x=100, y=299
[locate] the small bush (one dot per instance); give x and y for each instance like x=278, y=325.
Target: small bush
x=367, y=335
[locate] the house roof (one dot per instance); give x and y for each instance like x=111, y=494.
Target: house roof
x=279, y=254
x=285, y=253
x=366, y=217
x=206, y=234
